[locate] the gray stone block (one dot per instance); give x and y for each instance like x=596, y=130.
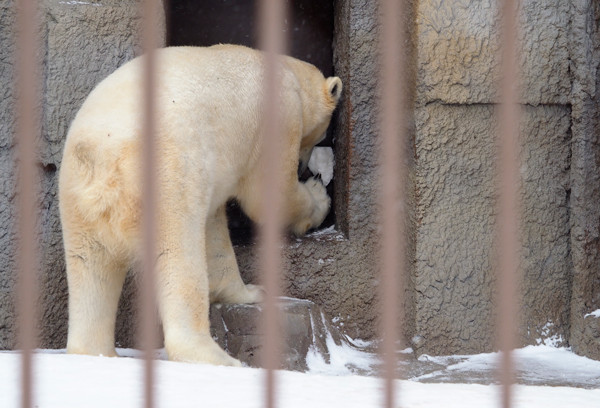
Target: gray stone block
x=304, y=327
x=456, y=199
x=7, y=176
x=585, y=171
x=458, y=57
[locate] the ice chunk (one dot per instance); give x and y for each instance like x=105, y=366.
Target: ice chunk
x=321, y=162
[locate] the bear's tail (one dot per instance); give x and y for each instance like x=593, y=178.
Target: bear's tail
x=104, y=186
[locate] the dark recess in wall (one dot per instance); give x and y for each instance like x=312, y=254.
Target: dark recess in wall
x=310, y=34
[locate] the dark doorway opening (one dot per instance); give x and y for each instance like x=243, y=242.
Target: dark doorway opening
x=310, y=34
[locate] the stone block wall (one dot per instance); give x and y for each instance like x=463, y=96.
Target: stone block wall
x=458, y=72
x=7, y=180
x=585, y=176
x=80, y=44
x=449, y=293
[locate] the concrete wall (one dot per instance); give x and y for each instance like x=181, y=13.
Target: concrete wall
x=81, y=43
x=449, y=291
x=7, y=184
x=458, y=72
x=458, y=69
x=585, y=177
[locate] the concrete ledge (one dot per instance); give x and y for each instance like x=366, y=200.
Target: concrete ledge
x=305, y=328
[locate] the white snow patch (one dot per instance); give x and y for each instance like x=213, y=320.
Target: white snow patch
x=292, y=299
x=363, y=344
x=322, y=261
x=329, y=233
x=325, y=231
x=321, y=162
x=595, y=313
x=555, y=340
x=80, y=3
x=532, y=362
x=344, y=359
x=62, y=380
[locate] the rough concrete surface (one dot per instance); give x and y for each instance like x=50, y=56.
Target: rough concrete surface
x=458, y=70
x=454, y=183
x=7, y=178
x=546, y=265
x=585, y=173
x=81, y=43
x=458, y=42
x=588, y=342
x=456, y=202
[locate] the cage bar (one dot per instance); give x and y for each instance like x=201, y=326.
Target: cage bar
x=273, y=43
x=508, y=228
x=392, y=132
x=147, y=334
x=27, y=127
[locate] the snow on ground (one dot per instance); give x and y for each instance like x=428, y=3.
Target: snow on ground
x=63, y=381
x=534, y=365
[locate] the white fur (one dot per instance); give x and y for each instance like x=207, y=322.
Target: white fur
x=208, y=140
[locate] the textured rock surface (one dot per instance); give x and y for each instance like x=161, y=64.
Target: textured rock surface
x=305, y=329
x=81, y=43
x=585, y=174
x=7, y=176
x=588, y=341
x=456, y=215
x=458, y=51
x=546, y=253
x=458, y=69
x=455, y=170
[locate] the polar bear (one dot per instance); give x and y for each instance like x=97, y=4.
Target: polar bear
x=208, y=141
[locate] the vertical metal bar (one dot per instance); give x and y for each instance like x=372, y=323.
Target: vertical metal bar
x=27, y=124
x=508, y=211
x=148, y=335
x=272, y=42
x=392, y=128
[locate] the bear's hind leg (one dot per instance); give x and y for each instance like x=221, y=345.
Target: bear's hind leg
x=183, y=295
x=95, y=282
x=226, y=285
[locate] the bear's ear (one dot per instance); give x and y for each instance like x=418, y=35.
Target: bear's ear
x=334, y=87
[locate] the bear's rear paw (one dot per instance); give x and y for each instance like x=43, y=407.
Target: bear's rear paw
x=247, y=294
x=254, y=293
x=204, y=350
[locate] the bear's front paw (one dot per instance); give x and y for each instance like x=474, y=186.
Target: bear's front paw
x=321, y=201
x=319, y=207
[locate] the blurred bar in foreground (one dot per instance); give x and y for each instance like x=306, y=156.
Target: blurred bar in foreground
x=507, y=223
x=272, y=41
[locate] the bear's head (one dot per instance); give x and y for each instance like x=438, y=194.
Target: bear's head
x=317, y=122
